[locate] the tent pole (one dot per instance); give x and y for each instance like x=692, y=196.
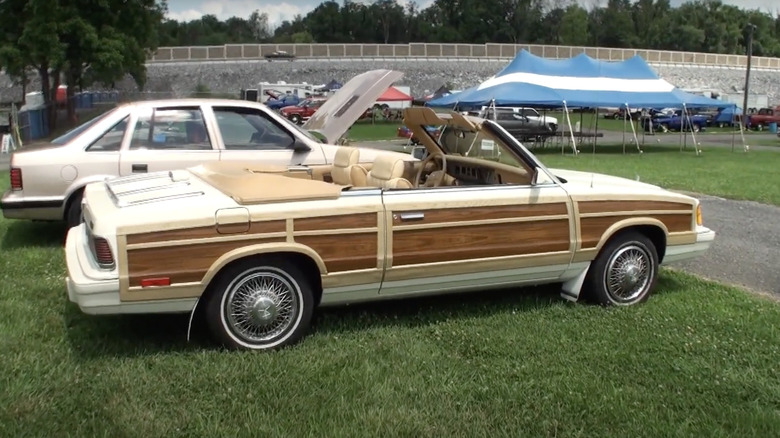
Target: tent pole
x=745, y=147
x=733, y=131
x=624, y=131
x=633, y=131
x=571, y=131
x=682, y=127
x=596, y=132
x=693, y=136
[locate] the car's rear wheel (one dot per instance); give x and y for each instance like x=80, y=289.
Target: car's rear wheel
x=73, y=213
x=696, y=128
x=624, y=272
x=260, y=304
x=295, y=118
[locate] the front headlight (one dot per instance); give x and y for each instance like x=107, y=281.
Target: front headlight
x=698, y=215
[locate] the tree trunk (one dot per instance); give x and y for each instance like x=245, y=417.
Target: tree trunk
x=70, y=102
x=48, y=101
x=55, y=84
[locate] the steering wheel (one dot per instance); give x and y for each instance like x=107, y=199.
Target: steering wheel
x=435, y=178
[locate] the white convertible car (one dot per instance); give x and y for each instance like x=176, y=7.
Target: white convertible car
x=260, y=247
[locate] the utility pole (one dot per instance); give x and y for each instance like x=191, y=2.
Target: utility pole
x=751, y=29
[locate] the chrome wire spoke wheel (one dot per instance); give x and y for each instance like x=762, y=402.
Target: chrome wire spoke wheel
x=262, y=306
x=628, y=273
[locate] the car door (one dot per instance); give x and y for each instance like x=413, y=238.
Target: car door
x=463, y=238
x=166, y=138
x=250, y=135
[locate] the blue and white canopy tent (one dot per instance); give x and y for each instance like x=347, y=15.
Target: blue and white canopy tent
x=581, y=82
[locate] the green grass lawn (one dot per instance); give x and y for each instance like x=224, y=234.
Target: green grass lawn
x=367, y=131
x=718, y=171
x=697, y=359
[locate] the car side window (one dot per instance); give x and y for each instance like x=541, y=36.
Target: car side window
x=111, y=141
x=250, y=129
x=170, y=128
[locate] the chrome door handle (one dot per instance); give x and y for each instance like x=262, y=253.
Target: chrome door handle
x=412, y=216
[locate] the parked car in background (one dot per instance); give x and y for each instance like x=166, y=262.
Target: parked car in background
x=256, y=250
x=727, y=117
x=280, y=55
x=405, y=132
x=620, y=113
x=763, y=118
x=517, y=123
x=302, y=111
x=676, y=122
x=147, y=136
x=531, y=113
x=282, y=101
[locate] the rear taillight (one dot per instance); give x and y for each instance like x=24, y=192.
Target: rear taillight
x=102, y=252
x=16, y=178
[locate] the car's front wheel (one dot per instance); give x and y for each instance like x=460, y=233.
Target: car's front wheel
x=260, y=304
x=624, y=272
x=295, y=118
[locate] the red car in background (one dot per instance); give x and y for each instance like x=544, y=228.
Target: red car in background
x=301, y=112
x=405, y=132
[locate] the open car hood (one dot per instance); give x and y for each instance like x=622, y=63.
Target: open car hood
x=345, y=107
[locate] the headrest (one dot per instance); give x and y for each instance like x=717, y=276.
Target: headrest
x=387, y=167
x=346, y=156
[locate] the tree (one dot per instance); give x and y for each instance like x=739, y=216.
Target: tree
x=574, y=26
x=86, y=41
x=258, y=23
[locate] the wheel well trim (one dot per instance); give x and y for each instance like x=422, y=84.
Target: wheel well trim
x=260, y=249
x=625, y=224
x=79, y=186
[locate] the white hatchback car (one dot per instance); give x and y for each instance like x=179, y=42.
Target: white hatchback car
x=148, y=136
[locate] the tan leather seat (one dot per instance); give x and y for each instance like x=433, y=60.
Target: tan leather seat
x=346, y=170
x=387, y=172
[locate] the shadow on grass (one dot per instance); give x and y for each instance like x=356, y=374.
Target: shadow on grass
x=140, y=335
x=22, y=234
x=422, y=311
x=92, y=336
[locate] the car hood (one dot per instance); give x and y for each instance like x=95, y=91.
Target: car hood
x=345, y=107
x=598, y=180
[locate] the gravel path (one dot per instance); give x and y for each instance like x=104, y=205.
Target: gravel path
x=746, y=251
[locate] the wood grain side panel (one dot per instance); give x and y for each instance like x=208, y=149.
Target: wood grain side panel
x=359, y=220
x=276, y=226
x=182, y=264
x=344, y=252
x=592, y=228
x=479, y=241
x=586, y=207
x=434, y=216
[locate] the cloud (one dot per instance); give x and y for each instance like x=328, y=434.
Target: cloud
x=187, y=10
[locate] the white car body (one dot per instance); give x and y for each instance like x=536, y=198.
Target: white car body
x=51, y=179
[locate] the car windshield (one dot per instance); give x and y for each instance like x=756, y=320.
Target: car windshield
x=480, y=144
x=75, y=132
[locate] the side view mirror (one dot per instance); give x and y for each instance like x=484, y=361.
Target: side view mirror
x=419, y=152
x=299, y=147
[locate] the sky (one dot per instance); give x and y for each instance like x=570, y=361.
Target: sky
x=279, y=10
